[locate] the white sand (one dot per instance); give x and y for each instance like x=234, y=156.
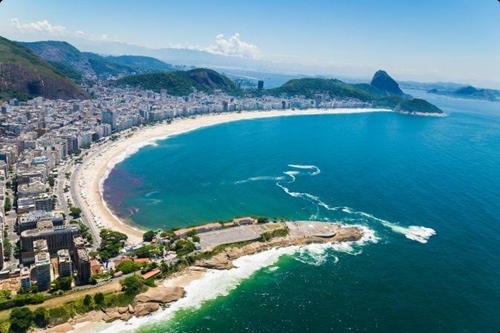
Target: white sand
x=101, y=159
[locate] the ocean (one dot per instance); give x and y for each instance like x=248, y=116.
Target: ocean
x=427, y=188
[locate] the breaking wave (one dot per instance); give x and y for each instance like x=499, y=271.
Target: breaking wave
x=216, y=283
x=419, y=234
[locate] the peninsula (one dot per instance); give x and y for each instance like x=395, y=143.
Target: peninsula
x=199, y=249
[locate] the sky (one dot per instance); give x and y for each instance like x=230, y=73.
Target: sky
x=425, y=40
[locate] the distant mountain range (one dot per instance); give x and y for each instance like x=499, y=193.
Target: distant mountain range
x=79, y=65
x=51, y=68
x=469, y=92
x=24, y=75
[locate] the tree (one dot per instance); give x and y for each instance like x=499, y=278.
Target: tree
x=7, y=204
x=111, y=243
x=128, y=266
x=51, y=180
x=132, y=285
x=148, y=236
x=41, y=317
x=63, y=283
x=87, y=300
x=20, y=320
x=99, y=299
x=75, y=212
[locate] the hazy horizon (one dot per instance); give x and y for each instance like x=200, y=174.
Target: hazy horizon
x=449, y=41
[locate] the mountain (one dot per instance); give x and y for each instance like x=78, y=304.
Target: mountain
x=308, y=87
x=24, y=75
x=469, y=92
x=383, y=92
x=182, y=83
x=78, y=65
x=386, y=84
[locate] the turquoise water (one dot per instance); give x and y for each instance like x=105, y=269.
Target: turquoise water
x=382, y=170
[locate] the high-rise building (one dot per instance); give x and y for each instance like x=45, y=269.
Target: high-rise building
x=64, y=263
x=42, y=270
x=109, y=117
x=82, y=266
x=260, y=85
x=25, y=278
x=57, y=238
x=44, y=202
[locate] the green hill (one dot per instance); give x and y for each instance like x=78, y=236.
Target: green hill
x=182, y=83
x=24, y=75
x=79, y=64
x=308, y=87
x=382, y=92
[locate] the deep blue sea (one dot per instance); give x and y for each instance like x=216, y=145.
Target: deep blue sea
x=428, y=187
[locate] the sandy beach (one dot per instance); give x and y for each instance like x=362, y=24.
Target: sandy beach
x=88, y=177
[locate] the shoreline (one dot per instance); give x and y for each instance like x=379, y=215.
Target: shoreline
x=88, y=178
x=207, y=279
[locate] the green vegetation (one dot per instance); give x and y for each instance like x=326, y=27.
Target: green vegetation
x=62, y=283
x=7, y=248
x=75, y=212
x=21, y=319
x=309, y=87
x=148, y=251
x=41, y=317
x=417, y=105
x=51, y=180
x=84, y=230
x=132, y=285
x=182, y=83
x=60, y=314
x=268, y=235
x=184, y=247
x=99, y=299
x=128, y=266
x=8, y=301
x=111, y=243
x=7, y=204
x=23, y=73
x=148, y=235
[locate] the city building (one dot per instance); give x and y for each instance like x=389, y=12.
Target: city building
x=82, y=266
x=64, y=263
x=42, y=270
x=25, y=278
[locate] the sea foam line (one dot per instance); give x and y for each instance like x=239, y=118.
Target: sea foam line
x=419, y=234
x=216, y=283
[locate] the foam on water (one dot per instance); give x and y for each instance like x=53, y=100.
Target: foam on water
x=217, y=283
x=420, y=234
x=258, y=178
x=417, y=233
x=316, y=170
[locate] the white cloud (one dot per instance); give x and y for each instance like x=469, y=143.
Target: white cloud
x=43, y=26
x=234, y=46
x=45, y=29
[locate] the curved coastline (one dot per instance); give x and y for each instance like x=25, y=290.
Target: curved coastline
x=88, y=177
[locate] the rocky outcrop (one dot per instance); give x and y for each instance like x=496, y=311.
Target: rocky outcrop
x=143, y=309
x=384, y=82
x=161, y=295
x=219, y=261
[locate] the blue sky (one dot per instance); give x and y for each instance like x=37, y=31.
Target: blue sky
x=423, y=40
